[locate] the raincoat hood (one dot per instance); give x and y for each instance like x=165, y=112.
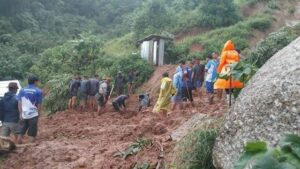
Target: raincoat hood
x=229, y=45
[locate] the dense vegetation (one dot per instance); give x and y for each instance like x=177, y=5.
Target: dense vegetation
x=57, y=39
x=28, y=28
x=195, y=150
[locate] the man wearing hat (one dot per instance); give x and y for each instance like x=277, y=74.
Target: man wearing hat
x=103, y=94
x=9, y=111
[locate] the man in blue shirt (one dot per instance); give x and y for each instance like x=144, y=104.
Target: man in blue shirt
x=29, y=104
x=9, y=111
x=187, y=84
x=211, y=69
x=178, y=83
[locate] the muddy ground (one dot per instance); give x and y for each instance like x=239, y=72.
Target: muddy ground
x=73, y=139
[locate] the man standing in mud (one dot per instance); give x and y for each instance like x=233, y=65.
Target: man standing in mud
x=73, y=90
x=167, y=90
x=187, y=85
x=94, y=88
x=84, y=91
x=103, y=94
x=178, y=83
x=198, y=76
x=29, y=104
x=120, y=83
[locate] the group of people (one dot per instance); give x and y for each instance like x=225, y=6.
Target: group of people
x=95, y=92
x=19, y=113
x=192, y=75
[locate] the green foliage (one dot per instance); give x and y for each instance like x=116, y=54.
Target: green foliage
x=141, y=166
x=241, y=71
x=121, y=46
x=217, y=13
x=79, y=56
x=84, y=57
x=292, y=10
x=137, y=146
x=175, y=53
x=272, y=44
x=259, y=156
x=239, y=33
x=153, y=19
x=273, y=4
x=196, y=150
x=132, y=62
x=58, y=93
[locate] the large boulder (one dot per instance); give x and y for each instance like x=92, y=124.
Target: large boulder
x=266, y=109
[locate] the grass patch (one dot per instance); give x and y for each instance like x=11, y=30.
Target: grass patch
x=239, y=33
x=122, y=46
x=195, y=150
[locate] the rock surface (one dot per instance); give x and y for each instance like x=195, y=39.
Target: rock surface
x=267, y=108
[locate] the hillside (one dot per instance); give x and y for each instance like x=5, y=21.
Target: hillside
x=28, y=29
x=57, y=39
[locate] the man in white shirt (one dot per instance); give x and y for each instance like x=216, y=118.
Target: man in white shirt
x=103, y=94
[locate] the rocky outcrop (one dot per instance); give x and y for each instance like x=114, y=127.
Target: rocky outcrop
x=267, y=108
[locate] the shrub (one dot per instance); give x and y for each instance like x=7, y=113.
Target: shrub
x=80, y=56
x=260, y=23
x=57, y=93
x=292, y=10
x=273, y=4
x=239, y=33
x=195, y=150
x=132, y=62
x=212, y=13
x=272, y=44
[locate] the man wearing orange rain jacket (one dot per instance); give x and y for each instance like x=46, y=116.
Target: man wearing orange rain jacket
x=229, y=55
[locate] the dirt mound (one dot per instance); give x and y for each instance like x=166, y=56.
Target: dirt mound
x=152, y=86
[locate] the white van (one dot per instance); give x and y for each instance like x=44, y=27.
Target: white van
x=4, y=89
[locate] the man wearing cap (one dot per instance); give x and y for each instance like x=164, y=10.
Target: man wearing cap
x=9, y=111
x=103, y=94
x=29, y=104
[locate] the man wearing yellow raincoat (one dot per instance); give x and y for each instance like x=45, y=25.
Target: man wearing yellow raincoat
x=166, y=91
x=229, y=55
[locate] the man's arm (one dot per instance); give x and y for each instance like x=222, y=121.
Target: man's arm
x=20, y=108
